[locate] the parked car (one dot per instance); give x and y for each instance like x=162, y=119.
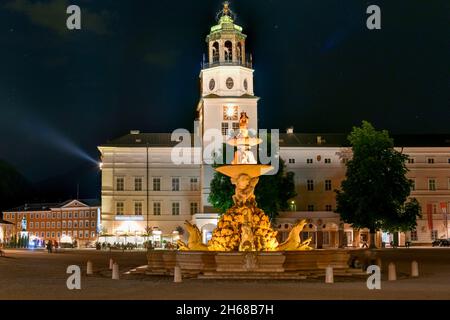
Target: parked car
x=441, y=243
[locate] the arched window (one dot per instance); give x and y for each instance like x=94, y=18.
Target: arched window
x=215, y=52
x=228, y=51
x=239, y=52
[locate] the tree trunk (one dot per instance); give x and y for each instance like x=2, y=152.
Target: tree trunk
x=372, y=244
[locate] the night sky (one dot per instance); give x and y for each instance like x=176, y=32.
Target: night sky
x=135, y=65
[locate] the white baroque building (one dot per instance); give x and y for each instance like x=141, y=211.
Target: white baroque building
x=146, y=195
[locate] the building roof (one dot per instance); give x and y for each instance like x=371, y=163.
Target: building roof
x=48, y=206
x=216, y=96
x=155, y=140
x=340, y=140
x=162, y=140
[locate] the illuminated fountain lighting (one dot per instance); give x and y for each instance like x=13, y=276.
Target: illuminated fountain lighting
x=244, y=227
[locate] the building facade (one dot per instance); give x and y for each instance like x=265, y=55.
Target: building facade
x=148, y=194
x=68, y=222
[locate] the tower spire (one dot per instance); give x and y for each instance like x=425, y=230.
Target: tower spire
x=226, y=12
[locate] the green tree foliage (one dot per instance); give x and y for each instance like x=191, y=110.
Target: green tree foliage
x=375, y=191
x=272, y=191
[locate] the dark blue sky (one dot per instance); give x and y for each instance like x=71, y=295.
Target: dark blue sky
x=135, y=65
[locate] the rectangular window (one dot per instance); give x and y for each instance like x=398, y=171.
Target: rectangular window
x=432, y=184
x=327, y=185
x=69, y=215
x=156, y=208
x=48, y=234
x=80, y=234
x=48, y=224
x=58, y=215
x=31, y=224
x=92, y=214
x=175, y=208
x=138, y=208
x=64, y=215
x=156, y=184
x=75, y=224
x=310, y=185
x=411, y=160
x=81, y=214
x=58, y=234
x=49, y=215
x=92, y=224
x=31, y=216
x=413, y=184
x=224, y=128
x=58, y=224
x=414, y=235
x=69, y=233
x=120, y=184
x=69, y=224
x=194, y=184
x=327, y=160
x=86, y=224
x=328, y=207
x=235, y=127
x=92, y=234
x=326, y=238
x=75, y=214
x=309, y=160
x=434, y=235
x=194, y=208
x=291, y=160
x=430, y=160
x=175, y=184
x=64, y=224
x=137, y=184
x=86, y=234
x=120, y=208
x=42, y=225
x=310, y=207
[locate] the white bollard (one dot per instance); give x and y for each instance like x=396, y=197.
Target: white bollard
x=111, y=262
x=329, y=275
x=177, y=277
x=392, y=274
x=414, y=269
x=89, y=270
x=115, y=271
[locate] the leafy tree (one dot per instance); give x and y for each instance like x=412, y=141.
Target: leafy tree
x=272, y=191
x=375, y=191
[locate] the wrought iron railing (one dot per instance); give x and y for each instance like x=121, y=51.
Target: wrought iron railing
x=246, y=64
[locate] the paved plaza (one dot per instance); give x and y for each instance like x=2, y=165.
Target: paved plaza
x=26, y=274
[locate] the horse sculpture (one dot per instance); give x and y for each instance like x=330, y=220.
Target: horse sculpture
x=195, y=239
x=294, y=242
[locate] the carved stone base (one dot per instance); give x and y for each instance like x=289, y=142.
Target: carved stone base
x=249, y=262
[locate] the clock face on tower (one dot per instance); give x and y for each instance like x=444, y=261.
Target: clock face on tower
x=212, y=84
x=230, y=113
x=230, y=83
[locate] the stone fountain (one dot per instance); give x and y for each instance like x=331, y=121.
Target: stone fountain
x=244, y=245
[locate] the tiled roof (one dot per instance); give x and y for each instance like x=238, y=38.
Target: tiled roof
x=48, y=206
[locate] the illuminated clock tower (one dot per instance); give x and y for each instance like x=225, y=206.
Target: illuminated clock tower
x=226, y=88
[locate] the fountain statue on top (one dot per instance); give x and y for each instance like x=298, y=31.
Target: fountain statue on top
x=245, y=227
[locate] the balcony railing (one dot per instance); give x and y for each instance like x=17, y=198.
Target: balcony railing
x=246, y=64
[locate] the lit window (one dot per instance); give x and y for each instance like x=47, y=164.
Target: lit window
x=310, y=185
x=120, y=184
x=156, y=184
x=119, y=208
x=175, y=184
x=224, y=128
x=194, y=208
x=327, y=185
x=194, y=184
x=156, y=208
x=92, y=234
x=137, y=184
x=138, y=208
x=432, y=184
x=175, y=208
